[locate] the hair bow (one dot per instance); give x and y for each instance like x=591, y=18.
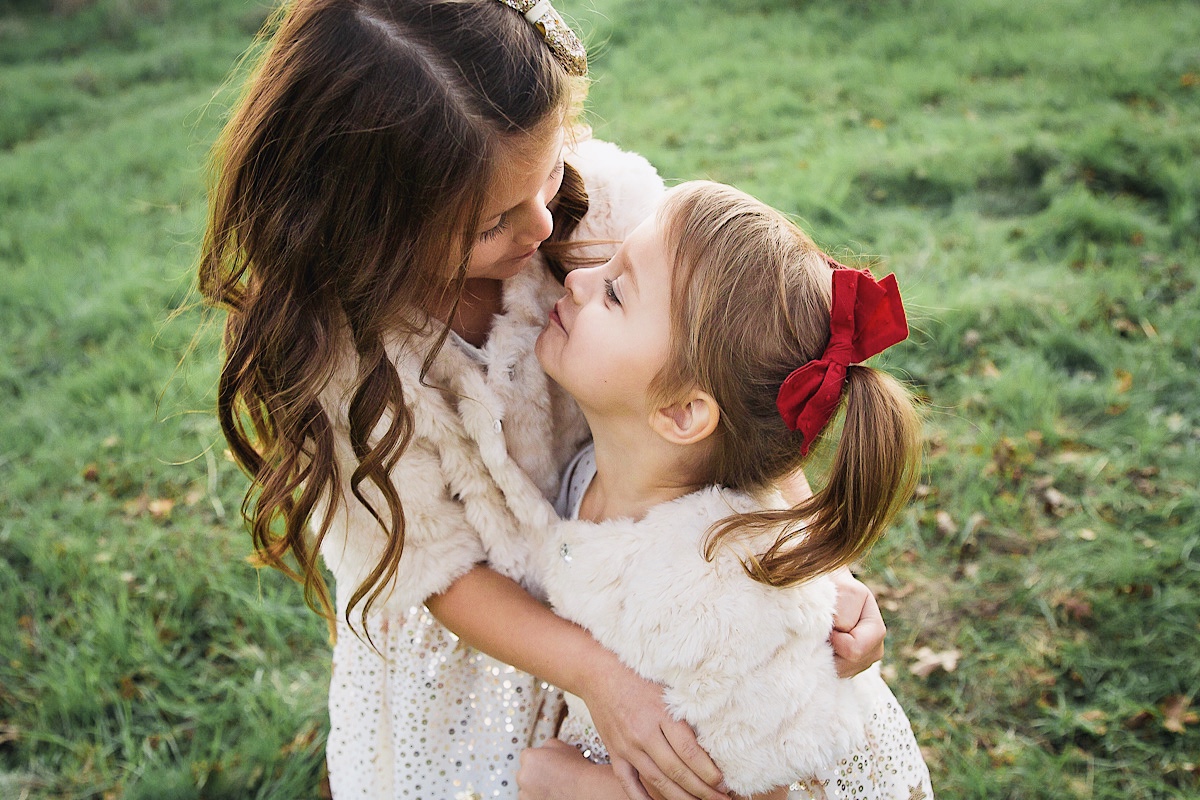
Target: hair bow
x=867, y=317
x=559, y=37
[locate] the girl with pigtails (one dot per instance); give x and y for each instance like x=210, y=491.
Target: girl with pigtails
x=709, y=356
x=393, y=203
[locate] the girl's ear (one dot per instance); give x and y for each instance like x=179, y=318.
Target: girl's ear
x=689, y=421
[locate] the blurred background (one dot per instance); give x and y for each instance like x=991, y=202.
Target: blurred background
x=1027, y=168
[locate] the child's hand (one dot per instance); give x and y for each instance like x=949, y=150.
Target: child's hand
x=649, y=748
x=858, y=629
x=557, y=771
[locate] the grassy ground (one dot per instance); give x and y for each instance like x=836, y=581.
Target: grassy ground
x=1029, y=171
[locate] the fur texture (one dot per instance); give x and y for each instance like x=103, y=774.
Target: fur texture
x=747, y=665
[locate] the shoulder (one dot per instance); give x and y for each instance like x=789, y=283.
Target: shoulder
x=623, y=188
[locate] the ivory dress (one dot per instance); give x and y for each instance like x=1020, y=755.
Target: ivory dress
x=747, y=665
x=421, y=716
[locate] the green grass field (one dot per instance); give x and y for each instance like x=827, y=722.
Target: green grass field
x=1028, y=169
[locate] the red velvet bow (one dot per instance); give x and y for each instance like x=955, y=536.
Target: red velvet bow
x=867, y=318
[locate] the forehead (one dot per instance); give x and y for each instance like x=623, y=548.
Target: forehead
x=646, y=253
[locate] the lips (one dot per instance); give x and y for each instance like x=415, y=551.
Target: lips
x=556, y=318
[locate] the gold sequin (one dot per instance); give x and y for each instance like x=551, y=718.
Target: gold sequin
x=562, y=41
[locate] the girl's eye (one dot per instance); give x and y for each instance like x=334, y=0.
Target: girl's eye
x=611, y=293
x=499, y=228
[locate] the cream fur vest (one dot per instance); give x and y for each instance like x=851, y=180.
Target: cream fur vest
x=747, y=665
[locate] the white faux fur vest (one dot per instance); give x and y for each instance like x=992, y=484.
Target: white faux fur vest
x=490, y=438
x=747, y=665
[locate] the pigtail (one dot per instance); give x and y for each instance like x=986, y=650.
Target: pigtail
x=752, y=309
x=874, y=472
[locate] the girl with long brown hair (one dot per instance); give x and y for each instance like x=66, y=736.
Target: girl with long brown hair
x=393, y=202
x=708, y=356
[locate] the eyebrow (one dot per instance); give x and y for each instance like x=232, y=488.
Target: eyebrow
x=627, y=265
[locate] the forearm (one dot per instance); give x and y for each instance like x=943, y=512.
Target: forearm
x=495, y=615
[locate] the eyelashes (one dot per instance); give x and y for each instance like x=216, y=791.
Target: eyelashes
x=499, y=228
x=609, y=292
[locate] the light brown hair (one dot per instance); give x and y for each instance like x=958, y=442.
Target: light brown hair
x=348, y=189
x=751, y=298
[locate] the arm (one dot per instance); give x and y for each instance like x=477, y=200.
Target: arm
x=858, y=629
x=494, y=614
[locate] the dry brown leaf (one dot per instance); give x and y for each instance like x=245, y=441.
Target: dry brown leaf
x=9, y=733
x=1074, y=606
x=928, y=662
x=1176, y=716
x=946, y=526
x=1055, y=501
x=160, y=507
x=1097, y=721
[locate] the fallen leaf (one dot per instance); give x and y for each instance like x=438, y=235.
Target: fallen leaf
x=1176, y=716
x=160, y=507
x=927, y=662
x=946, y=526
x=91, y=473
x=1097, y=721
x=1077, y=608
x=1055, y=502
x=1124, y=381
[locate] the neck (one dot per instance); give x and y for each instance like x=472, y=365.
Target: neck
x=635, y=471
x=482, y=300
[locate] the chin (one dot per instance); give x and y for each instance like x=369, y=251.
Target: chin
x=543, y=348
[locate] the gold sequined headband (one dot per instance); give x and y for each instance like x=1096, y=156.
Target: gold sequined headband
x=561, y=40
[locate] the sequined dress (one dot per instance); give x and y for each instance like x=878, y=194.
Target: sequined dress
x=885, y=765
x=414, y=713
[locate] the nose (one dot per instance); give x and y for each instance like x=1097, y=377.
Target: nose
x=537, y=224
x=578, y=282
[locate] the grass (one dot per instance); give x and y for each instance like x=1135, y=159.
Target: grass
x=1028, y=171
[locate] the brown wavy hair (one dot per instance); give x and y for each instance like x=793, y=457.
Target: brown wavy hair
x=347, y=191
x=751, y=297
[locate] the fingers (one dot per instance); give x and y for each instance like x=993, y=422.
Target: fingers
x=628, y=778
x=852, y=598
x=857, y=649
x=682, y=739
x=667, y=776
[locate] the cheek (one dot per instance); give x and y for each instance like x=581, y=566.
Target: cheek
x=482, y=256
